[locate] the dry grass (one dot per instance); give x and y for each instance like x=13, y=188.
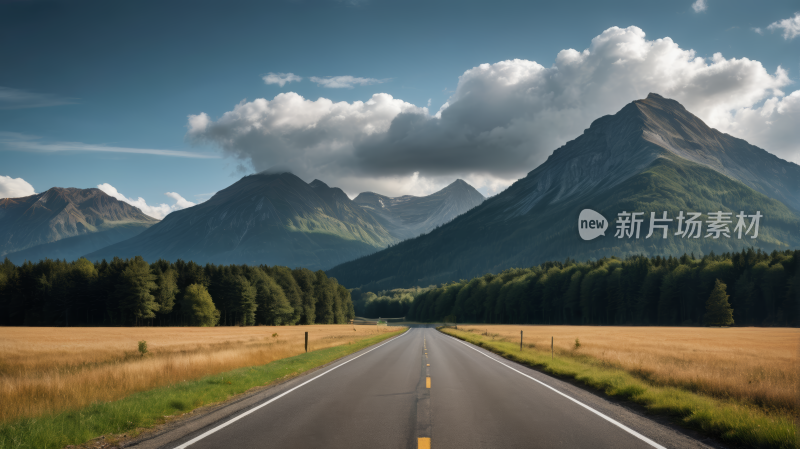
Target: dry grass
x=755, y=365
x=44, y=370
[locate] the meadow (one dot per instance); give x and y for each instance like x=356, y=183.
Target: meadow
x=49, y=370
x=760, y=366
x=737, y=384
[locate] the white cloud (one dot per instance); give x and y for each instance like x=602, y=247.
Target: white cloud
x=160, y=211
x=772, y=126
x=503, y=119
x=346, y=82
x=280, y=78
x=23, y=142
x=14, y=187
x=758, y=30
x=21, y=99
x=699, y=5
x=790, y=26
x=180, y=202
x=302, y=135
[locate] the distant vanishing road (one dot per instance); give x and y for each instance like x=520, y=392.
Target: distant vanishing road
x=423, y=389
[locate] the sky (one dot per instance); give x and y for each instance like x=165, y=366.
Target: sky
x=162, y=104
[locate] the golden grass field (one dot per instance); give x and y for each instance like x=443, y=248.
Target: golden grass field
x=45, y=370
x=756, y=365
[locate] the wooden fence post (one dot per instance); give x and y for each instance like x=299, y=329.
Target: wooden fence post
x=306, y=341
x=520, y=340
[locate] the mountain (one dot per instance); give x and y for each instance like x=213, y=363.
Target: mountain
x=65, y=223
x=652, y=156
x=409, y=216
x=272, y=219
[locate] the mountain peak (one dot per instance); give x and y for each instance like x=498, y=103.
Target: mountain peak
x=265, y=218
x=462, y=187
x=667, y=104
x=59, y=213
x=651, y=156
x=619, y=146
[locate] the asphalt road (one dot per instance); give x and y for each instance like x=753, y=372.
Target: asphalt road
x=426, y=389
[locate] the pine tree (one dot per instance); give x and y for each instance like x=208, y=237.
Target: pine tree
x=283, y=276
x=200, y=305
x=273, y=307
x=306, y=279
x=718, y=309
x=244, y=296
x=166, y=291
x=135, y=289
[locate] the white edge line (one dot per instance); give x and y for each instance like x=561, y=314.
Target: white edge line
x=612, y=421
x=252, y=410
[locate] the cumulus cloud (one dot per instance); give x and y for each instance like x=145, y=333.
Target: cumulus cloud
x=343, y=82
x=158, y=211
x=22, y=99
x=280, y=78
x=14, y=187
x=699, y=6
x=503, y=119
x=773, y=126
x=790, y=26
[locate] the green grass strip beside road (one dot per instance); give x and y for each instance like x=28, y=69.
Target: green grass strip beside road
x=733, y=422
x=149, y=408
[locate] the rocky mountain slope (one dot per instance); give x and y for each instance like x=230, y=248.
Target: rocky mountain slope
x=409, y=216
x=652, y=156
x=278, y=219
x=273, y=219
x=33, y=224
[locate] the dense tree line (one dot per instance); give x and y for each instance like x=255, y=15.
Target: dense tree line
x=764, y=290
x=133, y=292
x=386, y=304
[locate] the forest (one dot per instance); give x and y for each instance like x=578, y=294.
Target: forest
x=131, y=292
x=763, y=290
x=385, y=304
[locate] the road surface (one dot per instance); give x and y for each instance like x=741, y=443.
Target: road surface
x=424, y=389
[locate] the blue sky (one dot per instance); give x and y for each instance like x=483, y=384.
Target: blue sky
x=82, y=83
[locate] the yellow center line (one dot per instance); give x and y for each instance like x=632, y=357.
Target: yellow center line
x=427, y=382
x=423, y=443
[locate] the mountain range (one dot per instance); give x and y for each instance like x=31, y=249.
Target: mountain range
x=65, y=223
x=651, y=156
x=409, y=216
x=278, y=219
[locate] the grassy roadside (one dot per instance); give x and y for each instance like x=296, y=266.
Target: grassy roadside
x=149, y=408
x=733, y=422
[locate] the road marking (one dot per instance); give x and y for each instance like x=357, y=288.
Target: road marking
x=612, y=421
x=252, y=410
x=424, y=407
